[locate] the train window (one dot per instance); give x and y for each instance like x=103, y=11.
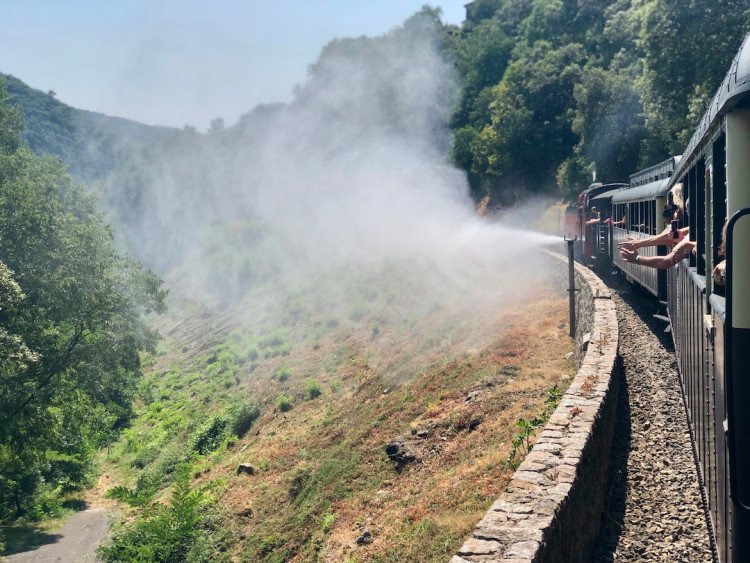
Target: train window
x=693, y=211
x=642, y=216
x=700, y=215
x=718, y=200
x=653, y=217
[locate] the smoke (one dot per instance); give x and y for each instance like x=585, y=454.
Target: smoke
x=348, y=185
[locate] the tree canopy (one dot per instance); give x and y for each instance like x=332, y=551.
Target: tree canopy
x=71, y=326
x=555, y=89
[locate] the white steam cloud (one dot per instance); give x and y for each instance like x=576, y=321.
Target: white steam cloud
x=351, y=177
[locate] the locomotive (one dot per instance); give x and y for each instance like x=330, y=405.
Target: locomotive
x=709, y=322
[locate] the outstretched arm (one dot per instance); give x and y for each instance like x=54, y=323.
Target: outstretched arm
x=656, y=240
x=679, y=252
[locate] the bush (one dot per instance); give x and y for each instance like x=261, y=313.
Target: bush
x=283, y=403
x=210, y=434
x=243, y=416
x=312, y=389
x=179, y=532
x=282, y=374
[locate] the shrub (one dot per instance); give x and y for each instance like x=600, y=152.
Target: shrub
x=282, y=374
x=298, y=482
x=283, y=403
x=174, y=533
x=210, y=434
x=312, y=389
x=250, y=353
x=140, y=496
x=329, y=520
x=243, y=416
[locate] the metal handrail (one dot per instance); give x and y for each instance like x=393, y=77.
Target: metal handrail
x=729, y=371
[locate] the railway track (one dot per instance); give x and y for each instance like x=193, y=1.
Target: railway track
x=654, y=509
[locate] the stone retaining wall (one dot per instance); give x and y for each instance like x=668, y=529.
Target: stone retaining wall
x=551, y=508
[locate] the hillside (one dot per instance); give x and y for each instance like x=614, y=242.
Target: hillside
x=333, y=296
x=89, y=143
x=320, y=408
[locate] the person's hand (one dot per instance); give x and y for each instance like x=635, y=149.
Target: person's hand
x=628, y=244
x=719, y=273
x=629, y=254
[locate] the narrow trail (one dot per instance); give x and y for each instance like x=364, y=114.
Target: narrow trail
x=654, y=510
x=76, y=541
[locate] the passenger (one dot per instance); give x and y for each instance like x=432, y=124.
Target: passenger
x=596, y=217
x=681, y=251
x=719, y=273
x=672, y=234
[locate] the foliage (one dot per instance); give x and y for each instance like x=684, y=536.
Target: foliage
x=140, y=496
x=184, y=530
x=555, y=89
x=210, y=434
x=71, y=328
x=243, y=415
x=284, y=403
x=281, y=374
x=521, y=442
x=312, y=389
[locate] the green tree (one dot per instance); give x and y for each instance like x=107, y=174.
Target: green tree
x=689, y=45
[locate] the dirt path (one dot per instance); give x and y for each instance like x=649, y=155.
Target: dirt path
x=76, y=541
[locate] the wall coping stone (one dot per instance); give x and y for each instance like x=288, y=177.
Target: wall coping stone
x=550, y=509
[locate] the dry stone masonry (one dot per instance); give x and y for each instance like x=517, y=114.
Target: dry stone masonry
x=550, y=510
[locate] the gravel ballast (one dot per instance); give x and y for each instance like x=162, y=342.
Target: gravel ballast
x=653, y=508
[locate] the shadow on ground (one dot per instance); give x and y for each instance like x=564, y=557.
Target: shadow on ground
x=26, y=536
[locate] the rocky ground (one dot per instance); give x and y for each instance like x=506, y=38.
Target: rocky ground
x=654, y=510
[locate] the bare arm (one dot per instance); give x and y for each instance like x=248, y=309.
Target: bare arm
x=679, y=252
x=665, y=238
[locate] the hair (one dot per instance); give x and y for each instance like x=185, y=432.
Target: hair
x=723, y=246
x=676, y=192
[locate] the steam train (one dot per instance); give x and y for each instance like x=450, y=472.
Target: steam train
x=710, y=323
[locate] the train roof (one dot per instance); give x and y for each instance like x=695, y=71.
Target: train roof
x=597, y=188
x=608, y=194
x=731, y=94
x=650, y=182
x=652, y=190
x=664, y=169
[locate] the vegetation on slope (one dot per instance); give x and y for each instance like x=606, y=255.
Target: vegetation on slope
x=71, y=328
x=329, y=393
x=553, y=89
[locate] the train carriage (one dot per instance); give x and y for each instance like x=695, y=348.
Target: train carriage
x=581, y=221
x=710, y=321
x=637, y=214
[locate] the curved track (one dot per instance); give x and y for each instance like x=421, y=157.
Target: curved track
x=654, y=510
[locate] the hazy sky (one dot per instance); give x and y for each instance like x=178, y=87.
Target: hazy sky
x=178, y=62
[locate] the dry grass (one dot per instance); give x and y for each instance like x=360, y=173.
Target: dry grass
x=322, y=475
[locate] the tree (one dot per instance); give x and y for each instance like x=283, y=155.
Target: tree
x=73, y=313
x=689, y=45
x=217, y=126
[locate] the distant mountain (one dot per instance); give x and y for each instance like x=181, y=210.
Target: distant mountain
x=88, y=142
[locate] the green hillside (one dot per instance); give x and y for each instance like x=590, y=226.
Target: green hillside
x=89, y=143
x=331, y=291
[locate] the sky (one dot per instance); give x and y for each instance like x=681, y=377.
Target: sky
x=183, y=62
